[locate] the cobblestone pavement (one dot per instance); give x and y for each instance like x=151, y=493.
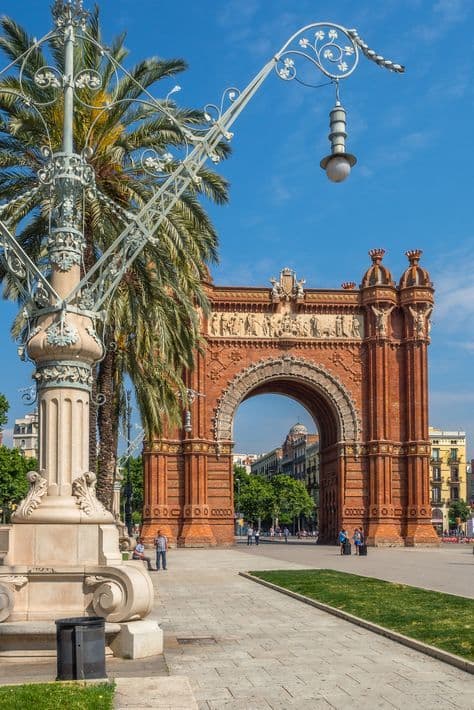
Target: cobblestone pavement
x=246, y=647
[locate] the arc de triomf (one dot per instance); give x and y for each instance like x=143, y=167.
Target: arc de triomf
x=356, y=359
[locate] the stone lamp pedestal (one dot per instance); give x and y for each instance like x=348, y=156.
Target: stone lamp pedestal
x=61, y=555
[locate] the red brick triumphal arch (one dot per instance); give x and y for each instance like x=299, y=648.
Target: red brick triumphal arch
x=356, y=359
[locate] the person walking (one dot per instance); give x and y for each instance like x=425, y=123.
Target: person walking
x=161, y=545
x=286, y=532
x=139, y=553
x=250, y=535
x=357, y=538
x=257, y=536
x=342, y=539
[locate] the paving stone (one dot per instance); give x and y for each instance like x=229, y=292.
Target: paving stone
x=288, y=652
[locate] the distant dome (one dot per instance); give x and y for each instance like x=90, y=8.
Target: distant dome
x=298, y=430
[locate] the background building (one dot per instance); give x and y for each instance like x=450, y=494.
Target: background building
x=448, y=479
x=470, y=483
x=244, y=460
x=298, y=457
x=25, y=435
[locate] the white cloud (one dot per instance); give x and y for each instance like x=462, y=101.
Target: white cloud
x=454, y=298
x=446, y=13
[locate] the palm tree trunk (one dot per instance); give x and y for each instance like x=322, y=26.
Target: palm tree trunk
x=107, y=420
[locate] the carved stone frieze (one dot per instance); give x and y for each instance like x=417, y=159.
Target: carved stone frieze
x=38, y=487
x=288, y=325
x=64, y=374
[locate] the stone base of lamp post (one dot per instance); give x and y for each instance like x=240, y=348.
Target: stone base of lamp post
x=37, y=639
x=66, y=570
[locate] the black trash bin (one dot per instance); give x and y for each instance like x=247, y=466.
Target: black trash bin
x=80, y=645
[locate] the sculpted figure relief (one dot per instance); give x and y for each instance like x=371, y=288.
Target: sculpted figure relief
x=421, y=321
x=288, y=325
x=381, y=319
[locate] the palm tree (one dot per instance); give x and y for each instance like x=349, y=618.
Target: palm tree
x=152, y=324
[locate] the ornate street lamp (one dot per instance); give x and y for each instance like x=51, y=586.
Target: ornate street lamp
x=64, y=306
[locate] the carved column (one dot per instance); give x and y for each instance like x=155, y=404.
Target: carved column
x=416, y=294
x=379, y=296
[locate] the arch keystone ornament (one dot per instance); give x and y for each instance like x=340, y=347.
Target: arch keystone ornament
x=355, y=358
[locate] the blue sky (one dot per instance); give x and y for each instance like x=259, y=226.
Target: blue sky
x=412, y=186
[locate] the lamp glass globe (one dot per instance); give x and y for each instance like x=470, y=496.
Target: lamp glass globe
x=338, y=169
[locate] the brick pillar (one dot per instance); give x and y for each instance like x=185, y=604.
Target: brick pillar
x=196, y=530
x=161, y=490
x=383, y=528
x=379, y=297
x=417, y=304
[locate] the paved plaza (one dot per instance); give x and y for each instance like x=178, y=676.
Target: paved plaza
x=243, y=646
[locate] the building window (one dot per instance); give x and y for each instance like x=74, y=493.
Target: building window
x=436, y=473
x=454, y=493
x=435, y=454
x=454, y=473
x=436, y=495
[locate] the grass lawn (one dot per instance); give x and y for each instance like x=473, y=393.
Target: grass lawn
x=441, y=620
x=51, y=696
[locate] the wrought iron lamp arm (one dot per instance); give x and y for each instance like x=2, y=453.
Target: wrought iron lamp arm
x=31, y=282
x=323, y=52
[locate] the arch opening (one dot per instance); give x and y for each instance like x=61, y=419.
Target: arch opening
x=328, y=403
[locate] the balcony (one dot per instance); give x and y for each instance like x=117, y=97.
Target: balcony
x=454, y=459
x=435, y=460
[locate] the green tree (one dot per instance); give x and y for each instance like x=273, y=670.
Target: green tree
x=458, y=509
x=153, y=320
x=136, y=476
x=253, y=494
x=291, y=499
x=13, y=482
x=4, y=407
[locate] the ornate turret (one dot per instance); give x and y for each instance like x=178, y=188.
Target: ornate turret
x=415, y=275
x=377, y=274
